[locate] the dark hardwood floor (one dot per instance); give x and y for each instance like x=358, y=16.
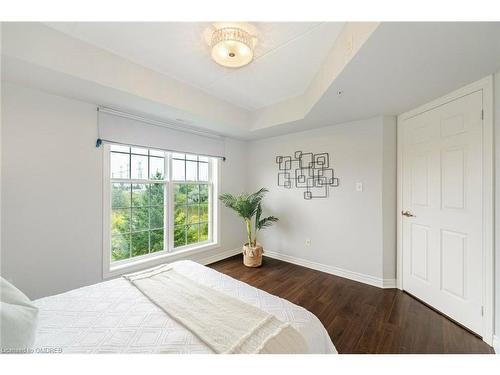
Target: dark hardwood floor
x=359, y=318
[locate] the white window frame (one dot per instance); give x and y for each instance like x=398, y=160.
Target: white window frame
x=169, y=254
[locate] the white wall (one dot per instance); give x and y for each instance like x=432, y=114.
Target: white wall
x=52, y=199
x=350, y=230
x=497, y=203
x=389, y=194
x=1, y=25
x=52, y=192
x=51, y=242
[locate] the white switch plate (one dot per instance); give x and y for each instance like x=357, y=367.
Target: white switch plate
x=359, y=186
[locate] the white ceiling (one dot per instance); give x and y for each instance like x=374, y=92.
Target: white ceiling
x=287, y=55
x=399, y=67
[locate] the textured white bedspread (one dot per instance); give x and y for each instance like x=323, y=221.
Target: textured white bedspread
x=115, y=317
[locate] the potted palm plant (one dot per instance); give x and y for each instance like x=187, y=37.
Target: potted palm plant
x=248, y=207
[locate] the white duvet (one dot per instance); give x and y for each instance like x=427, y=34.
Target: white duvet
x=115, y=317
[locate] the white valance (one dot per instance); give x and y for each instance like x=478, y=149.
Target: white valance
x=120, y=128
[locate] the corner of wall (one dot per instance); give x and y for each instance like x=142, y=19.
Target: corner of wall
x=234, y=173
x=389, y=192
x=1, y=80
x=496, y=130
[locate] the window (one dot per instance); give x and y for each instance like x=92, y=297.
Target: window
x=160, y=202
x=191, y=208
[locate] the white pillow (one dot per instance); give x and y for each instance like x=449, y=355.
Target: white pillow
x=18, y=319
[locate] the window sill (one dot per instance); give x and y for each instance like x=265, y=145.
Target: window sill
x=147, y=261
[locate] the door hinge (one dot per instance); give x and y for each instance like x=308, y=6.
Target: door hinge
x=482, y=310
x=482, y=114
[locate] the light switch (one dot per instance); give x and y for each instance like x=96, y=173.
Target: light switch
x=359, y=186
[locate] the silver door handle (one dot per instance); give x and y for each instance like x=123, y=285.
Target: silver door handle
x=407, y=214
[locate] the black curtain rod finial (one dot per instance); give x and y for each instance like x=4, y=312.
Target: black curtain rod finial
x=98, y=143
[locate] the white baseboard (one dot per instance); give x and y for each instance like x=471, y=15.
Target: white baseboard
x=389, y=283
x=337, y=271
x=496, y=344
x=219, y=256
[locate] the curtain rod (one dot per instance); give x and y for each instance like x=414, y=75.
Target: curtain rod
x=100, y=141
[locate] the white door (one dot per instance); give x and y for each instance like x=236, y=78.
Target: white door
x=442, y=189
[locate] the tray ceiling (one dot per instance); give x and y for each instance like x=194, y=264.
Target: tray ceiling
x=287, y=55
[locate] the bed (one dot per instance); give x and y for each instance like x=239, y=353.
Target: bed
x=115, y=317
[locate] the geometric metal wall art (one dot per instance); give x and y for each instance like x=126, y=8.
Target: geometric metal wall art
x=307, y=171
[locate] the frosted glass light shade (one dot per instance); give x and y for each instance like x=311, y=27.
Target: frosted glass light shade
x=232, y=47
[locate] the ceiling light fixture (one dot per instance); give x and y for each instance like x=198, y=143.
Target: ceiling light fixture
x=232, y=47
